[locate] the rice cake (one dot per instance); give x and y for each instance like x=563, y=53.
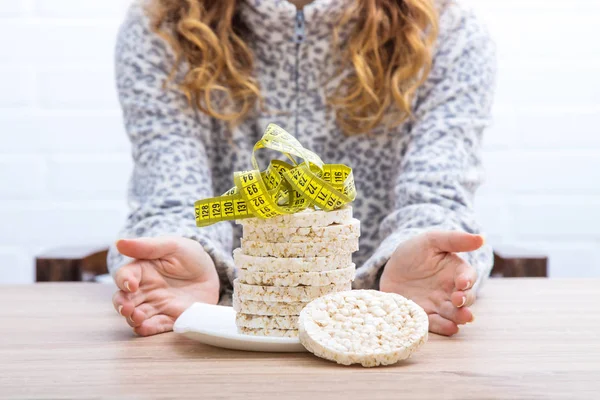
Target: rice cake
x=303, y=219
x=268, y=233
x=268, y=332
x=266, y=307
x=284, y=322
x=312, y=249
x=285, y=294
x=324, y=278
x=295, y=265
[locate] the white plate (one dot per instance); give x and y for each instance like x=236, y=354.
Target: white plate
x=215, y=325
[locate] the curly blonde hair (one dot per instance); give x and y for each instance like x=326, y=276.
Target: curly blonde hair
x=389, y=49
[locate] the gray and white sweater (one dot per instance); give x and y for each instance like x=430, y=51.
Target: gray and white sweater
x=418, y=176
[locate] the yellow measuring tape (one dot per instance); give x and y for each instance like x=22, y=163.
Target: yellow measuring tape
x=282, y=188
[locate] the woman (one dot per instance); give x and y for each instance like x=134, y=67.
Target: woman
x=400, y=90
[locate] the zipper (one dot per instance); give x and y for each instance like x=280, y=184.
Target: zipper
x=299, y=30
x=299, y=36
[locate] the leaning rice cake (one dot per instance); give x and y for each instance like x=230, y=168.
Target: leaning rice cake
x=366, y=327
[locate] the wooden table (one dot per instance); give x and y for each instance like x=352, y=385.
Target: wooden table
x=532, y=339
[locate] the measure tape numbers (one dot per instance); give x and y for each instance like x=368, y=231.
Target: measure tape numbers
x=223, y=208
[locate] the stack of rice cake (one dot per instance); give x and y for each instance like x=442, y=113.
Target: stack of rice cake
x=286, y=262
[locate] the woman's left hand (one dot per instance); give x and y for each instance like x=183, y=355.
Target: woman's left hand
x=426, y=270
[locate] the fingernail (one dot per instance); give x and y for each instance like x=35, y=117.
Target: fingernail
x=127, y=286
x=484, y=239
x=468, y=285
x=472, y=319
x=130, y=320
x=464, y=300
x=120, y=308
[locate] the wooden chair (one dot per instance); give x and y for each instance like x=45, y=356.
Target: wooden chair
x=71, y=264
x=75, y=264
x=514, y=262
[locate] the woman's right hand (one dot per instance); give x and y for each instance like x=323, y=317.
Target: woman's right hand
x=167, y=275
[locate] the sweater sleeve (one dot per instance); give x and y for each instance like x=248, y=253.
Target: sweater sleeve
x=441, y=168
x=170, y=144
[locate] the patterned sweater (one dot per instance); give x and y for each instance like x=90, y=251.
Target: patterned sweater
x=418, y=176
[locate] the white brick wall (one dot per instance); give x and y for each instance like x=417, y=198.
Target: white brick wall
x=543, y=152
x=64, y=158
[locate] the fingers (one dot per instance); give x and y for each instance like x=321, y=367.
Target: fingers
x=465, y=276
x=464, y=279
x=454, y=241
x=140, y=314
x=462, y=298
x=125, y=303
x=154, y=325
x=128, y=277
x=441, y=325
x=147, y=248
x=458, y=315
